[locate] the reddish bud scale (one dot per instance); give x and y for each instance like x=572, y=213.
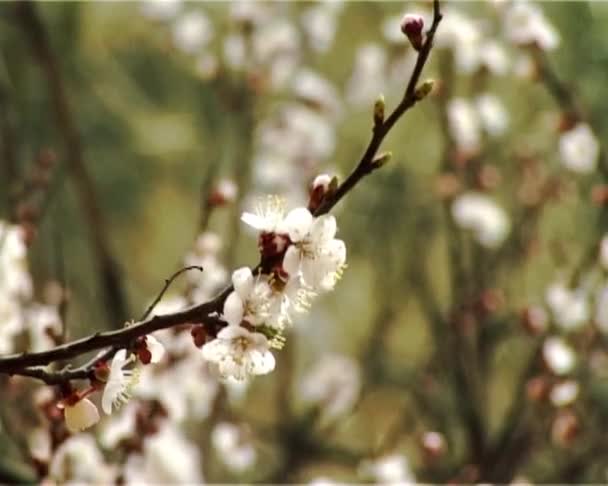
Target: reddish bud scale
x=272, y=244
x=199, y=336
x=144, y=355
x=216, y=199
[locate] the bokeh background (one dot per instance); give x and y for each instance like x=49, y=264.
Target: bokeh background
x=121, y=120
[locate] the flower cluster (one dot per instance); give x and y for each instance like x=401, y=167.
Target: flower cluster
x=300, y=258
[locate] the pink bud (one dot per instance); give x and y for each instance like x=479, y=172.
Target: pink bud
x=411, y=26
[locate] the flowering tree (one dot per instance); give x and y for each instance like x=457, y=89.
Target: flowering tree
x=432, y=392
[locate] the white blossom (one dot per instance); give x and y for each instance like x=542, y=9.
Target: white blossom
x=464, y=124
x=118, y=388
x=334, y=383
x=480, y=214
x=160, y=9
x=559, y=356
x=233, y=447
x=192, y=31
x=564, y=393
x=368, y=77
x=389, y=469
x=78, y=460
x=579, y=149
x=168, y=457
x=157, y=350
x=492, y=114
x=315, y=254
x=250, y=301
x=570, y=308
x=319, y=23
x=525, y=24
x=267, y=216
x=239, y=353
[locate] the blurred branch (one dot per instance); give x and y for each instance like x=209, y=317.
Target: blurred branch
x=109, y=273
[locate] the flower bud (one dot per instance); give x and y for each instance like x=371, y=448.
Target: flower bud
x=225, y=192
x=323, y=186
x=381, y=159
x=379, y=107
x=411, y=26
x=424, y=89
x=433, y=445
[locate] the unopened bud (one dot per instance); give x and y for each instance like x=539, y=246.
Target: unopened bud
x=379, y=107
x=225, y=192
x=411, y=26
x=382, y=159
x=433, y=445
x=323, y=186
x=424, y=89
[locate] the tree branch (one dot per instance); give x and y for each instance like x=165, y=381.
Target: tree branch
x=109, y=274
x=208, y=313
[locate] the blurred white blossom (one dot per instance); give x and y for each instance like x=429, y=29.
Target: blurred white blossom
x=464, y=124
x=480, y=214
x=558, y=355
x=570, y=308
x=389, y=469
x=192, y=31
x=579, y=149
x=232, y=446
x=525, y=24
x=334, y=383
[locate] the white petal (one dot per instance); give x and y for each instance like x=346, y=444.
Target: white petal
x=231, y=332
x=297, y=223
x=81, y=416
x=242, y=279
x=324, y=229
x=291, y=261
x=254, y=221
x=110, y=392
x=233, y=309
x=262, y=362
x=157, y=350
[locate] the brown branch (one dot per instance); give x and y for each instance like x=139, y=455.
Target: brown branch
x=109, y=274
x=366, y=165
x=208, y=313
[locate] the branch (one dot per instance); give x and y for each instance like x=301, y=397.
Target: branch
x=34, y=29
x=366, y=165
x=208, y=313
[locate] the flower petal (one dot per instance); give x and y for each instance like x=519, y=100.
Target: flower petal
x=254, y=221
x=157, y=350
x=297, y=223
x=242, y=279
x=81, y=415
x=291, y=261
x=233, y=309
x=324, y=229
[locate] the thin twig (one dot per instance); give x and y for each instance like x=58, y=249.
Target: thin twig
x=168, y=283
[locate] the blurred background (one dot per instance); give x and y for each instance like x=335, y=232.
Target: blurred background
x=466, y=340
